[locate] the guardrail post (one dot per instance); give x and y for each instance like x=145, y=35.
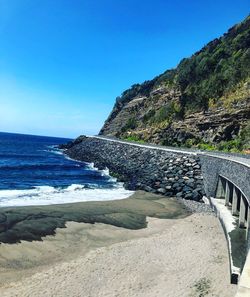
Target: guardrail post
x=248, y=223
x=235, y=203
x=220, y=192
x=242, y=216
x=227, y=194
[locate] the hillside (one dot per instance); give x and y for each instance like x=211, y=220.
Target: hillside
x=203, y=102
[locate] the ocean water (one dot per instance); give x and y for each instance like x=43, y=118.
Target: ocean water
x=34, y=172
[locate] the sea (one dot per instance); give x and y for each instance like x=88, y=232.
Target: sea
x=33, y=171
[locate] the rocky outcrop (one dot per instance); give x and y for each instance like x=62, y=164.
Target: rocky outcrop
x=70, y=144
x=204, y=100
x=209, y=127
x=152, y=170
x=212, y=126
x=139, y=110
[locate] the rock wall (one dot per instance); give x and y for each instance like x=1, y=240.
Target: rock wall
x=143, y=168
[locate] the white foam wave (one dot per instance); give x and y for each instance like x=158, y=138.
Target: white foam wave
x=91, y=166
x=57, y=152
x=47, y=195
x=71, y=159
x=104, y=172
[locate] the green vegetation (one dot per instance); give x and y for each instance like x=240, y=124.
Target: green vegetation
x=214, y=79
x=166, y=113
x=143, y=89
x=161, y=115
x=134, y=138
x=148, y=116
x=130, y=125
x=240, y=144
x=207, y=146
x=216, y=69
x=232, y=146
x=208, y=75
x=229, y=99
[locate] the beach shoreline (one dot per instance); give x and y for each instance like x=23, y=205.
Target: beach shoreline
x=175, y=256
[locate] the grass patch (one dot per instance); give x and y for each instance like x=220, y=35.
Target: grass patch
x=134, y=138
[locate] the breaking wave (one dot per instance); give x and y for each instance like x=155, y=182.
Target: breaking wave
x=46, y=195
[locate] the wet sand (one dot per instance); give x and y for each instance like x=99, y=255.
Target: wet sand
x=184, y=256
x=33, y=222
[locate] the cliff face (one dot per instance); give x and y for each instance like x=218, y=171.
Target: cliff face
x=204, y=100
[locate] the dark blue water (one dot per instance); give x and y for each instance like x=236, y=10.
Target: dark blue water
x=33, y=171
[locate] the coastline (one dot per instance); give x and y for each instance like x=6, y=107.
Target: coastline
x=34, y=222
x=171, y=257
x=70, y=242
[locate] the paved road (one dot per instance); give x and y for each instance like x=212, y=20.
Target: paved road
x=238, y=158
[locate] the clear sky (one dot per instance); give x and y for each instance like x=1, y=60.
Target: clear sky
x=63, y=62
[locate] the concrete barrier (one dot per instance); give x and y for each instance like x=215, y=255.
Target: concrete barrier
x=244, y=284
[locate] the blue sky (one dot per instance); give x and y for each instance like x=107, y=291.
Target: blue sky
x=63, y=63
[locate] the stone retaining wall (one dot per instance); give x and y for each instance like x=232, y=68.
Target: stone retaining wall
x=213, y=166
x=143, y=168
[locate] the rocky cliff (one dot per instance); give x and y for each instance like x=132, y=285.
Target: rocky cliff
x=204, y=101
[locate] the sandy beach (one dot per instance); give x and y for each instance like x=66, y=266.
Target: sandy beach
x=171, y=257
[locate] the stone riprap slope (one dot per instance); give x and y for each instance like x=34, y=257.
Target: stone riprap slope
x=142, y=168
